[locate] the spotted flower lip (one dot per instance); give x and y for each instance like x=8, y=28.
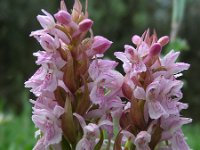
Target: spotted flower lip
x=48, y=43
x=132, y=61
x=99, y=66
x=47, y=119
x=43, y=80
x=161, y=96
x=142, y=139
x=91, y=131
x=52, y=58
x=106, y=86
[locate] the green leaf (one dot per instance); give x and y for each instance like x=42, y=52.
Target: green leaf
x=65, y=144
x=68, y=125
x=156, y=136
x=99, y=144
x=137, y=114
x=69, y=75
x=83, y=99
x=129, y=145
x=60, y=95
x=118, y=141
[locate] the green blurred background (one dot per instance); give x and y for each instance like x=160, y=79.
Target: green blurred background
x=117, y=20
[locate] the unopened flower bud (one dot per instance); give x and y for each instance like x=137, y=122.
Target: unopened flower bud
x=136, y=39
x=100, y=44
x=163, y=40
x=155, y=49
x=85, y=25
x=63, y=17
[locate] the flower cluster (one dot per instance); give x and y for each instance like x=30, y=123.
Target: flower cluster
x=79, y=94
x=152, y=117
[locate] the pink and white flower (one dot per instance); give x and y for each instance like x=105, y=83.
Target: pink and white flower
x=132, y=61
x=43, y=80
x=142, y=140
x=142, y=106
x=99, y=66
x=47, y=20
x=46, y=116
x=91, y=133
x=161, y=96
x=52, y=59
x=106, y=86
